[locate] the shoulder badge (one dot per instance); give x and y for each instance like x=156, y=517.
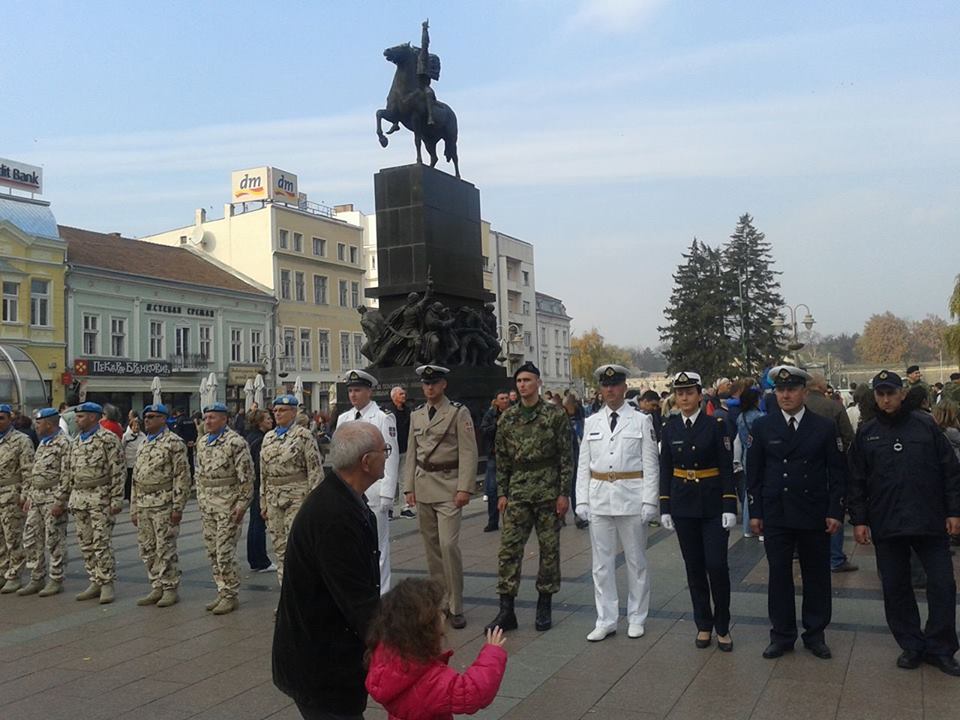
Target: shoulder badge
x=839, y=443
x=392, y=430
x=421, y=406
x=456, y=404
x=726, y=443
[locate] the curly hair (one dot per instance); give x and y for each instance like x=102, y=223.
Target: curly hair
x=408, y=620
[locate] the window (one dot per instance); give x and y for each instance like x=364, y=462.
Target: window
x=543, y=336
x=564, y=337
x=486, y=262
x=526, y=278
x=289, y=361
x=341, y=251
x=11, y=302
x=323, y=354
x=182, y=341
x=255, y=341
x=354, y=294
x=91, y=334
x=566, y=366
x=206, y=341
x=343, y=293
x=545, y=363
x=306, y=344
x=526, y=307
x=284, y=284
x=236, y=345
x=40, y=303
x=284, y=239
x=320, y=289
x=353, y=254
x=299, y=286
x=558, y=365
x=319, y=247
x=156, y=339
x=556, y=336
x=528, y=339
x=357, y=344
x=298, y=242
x=344, y=350
x=118, y=337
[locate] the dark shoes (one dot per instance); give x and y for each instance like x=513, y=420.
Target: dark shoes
x=775, y=650
x=944, y=663
x=506, y=619
x=544, y=612
x=701, y=644
x=909, y=659
x=491, y=528
x=845, y=566
x=725, y=646
x=458, y=621
x=581, y=524
x=819, y=649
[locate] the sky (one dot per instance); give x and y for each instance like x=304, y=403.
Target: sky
x=608, y=133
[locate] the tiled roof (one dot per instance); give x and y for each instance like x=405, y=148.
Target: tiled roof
x=138, y=257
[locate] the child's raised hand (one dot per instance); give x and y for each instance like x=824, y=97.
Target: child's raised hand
x=495, y=637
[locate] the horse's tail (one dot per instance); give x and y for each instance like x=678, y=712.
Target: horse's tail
x=450, y=141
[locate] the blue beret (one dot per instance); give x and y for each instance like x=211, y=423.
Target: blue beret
x=158, y=408
x=216, y=407
x=45, y=413
x=290, y=400
x=89, y=407
x=6, y=408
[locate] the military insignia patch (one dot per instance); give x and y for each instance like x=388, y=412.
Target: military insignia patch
x=884, y=375
x=354, y=376
x=609, y=372
x=392, y=431
x=726, y=443
x=428, y=372
x=783, y=374
x=682, y=377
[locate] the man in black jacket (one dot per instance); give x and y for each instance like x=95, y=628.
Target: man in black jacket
x=905, y=493
x=331, y=584
x=488, y=445
x=796, y=477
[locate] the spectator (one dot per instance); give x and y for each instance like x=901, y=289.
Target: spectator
x=132, y=440
x=64, y=423
x=24, y=424
x=488, y=438
x=186, y=429
x=650, y=404
x=398, y=407
x=513, y=397
x=409, y=673
x=260, y=422
x=749, y=412
x=571, y=406
x=110, y=420
x=946, y=416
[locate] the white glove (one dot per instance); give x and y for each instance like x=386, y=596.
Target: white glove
x=583, y=512
x=728, y=520
x=666, y=521
x=648, y=512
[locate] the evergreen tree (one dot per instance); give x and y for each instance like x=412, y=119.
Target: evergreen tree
x=754, y=291
x=697, y=336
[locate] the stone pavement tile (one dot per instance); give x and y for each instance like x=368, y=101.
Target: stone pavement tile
x=207, y=665
x=138, y=693
x=98, y=659
x=50, y=707
x=34, y=683
x=154, y=712
x=260, y=701
x=803, y=666
x=614, y=656
x=529, y=668
x=605, y=713
x=94, y=684
x=941, y=695
x=875, y=688
x=210, y=691
x=561, y=697
x=500, y=706
x=289, y=713
x=792, y=699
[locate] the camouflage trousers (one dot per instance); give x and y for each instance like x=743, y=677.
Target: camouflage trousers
x=518, y=520
x=283, y=504
x=95, y=537
x=220, y=536
x=157, y=538
x=44, y=534
x=11, y=540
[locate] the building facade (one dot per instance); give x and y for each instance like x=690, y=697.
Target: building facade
x=512, y=280
x=137, y=311
x=553, y=331
x=310, y=260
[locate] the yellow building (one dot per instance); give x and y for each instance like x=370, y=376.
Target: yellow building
x=313, y=263
x=32, y=267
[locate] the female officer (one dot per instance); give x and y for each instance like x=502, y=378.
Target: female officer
x=698, y=500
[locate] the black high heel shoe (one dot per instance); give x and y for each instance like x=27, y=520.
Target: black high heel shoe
x=701, y=644
x=725, y=646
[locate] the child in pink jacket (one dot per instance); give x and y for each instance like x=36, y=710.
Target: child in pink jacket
x=408, y=672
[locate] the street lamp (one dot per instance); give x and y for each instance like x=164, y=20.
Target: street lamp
x=781, y=323
x=513, y=335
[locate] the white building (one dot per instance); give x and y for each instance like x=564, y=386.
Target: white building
x=510, y=264
x=553, y=332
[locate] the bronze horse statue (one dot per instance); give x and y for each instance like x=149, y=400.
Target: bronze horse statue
x=407, y=106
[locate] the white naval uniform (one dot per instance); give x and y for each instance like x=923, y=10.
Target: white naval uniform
x=381, y=494
x=616, y=507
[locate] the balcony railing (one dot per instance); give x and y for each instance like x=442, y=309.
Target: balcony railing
x=189, y=361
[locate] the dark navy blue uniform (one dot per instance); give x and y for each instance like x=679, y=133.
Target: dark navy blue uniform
x=796, y=479
x=702, y=457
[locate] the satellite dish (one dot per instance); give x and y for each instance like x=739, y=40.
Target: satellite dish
x=196, y=236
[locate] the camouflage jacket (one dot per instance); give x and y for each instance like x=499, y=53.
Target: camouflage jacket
x=534, y=455
x=289, y=459
x=96, y=471
x=16, y=457
x=161, y=475
x=224, y=472
x=49, y=482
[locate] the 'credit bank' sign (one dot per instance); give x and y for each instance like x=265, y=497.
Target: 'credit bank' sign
x=21, y=176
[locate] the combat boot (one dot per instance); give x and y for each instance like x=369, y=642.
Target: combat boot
x=92, y=591
x=226, y=605
x=53, y=587
x=11, y=586
x=150, y=599
x=31, y=588
x=106, y=594
x=506, y=619
x=169, y=598
x=544, y=617
x=212, y=605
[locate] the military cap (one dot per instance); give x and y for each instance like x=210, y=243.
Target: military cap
x=44, y=413
x=610, y=374
x=913, y=369
x=955, y=376
x=286, y=400
x=216, y=407
x=158, y=408
x=527, y=367
x=886, y=378
x=430, y=374
x=359, y=378
x=89, y=407
x=788, y=376
x=685, y=379
x=6, y=408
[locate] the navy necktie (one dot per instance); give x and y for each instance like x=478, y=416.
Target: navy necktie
x=613, y=421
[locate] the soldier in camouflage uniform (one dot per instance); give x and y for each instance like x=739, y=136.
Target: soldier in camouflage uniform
x=47, y=494
x=96, y=475
x=161, y=486
x=16, y=459
x=224, y=475
x=534, y=467
x=290, y=467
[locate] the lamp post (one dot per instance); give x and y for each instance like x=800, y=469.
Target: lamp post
x=781, y=323
x=513, y=336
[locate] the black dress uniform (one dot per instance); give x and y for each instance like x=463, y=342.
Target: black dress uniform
x=696, y=489
x=796, y=479
x=905, y=483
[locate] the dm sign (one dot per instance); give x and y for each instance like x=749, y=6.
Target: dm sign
x=21, y=176
x=264, y=183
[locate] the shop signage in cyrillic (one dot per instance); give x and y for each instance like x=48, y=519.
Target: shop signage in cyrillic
x=121, y=368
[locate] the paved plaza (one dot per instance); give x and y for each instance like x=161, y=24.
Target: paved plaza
x=64, y=659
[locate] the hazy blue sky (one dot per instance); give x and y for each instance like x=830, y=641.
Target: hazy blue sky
x=608, y=133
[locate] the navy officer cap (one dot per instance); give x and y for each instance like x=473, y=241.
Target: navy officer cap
x=788, y=376
x=359, y=378
x=886, y=378
x=685, y=379
x=527, y=367
x=611, y=374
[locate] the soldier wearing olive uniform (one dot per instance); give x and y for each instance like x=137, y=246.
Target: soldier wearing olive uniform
x=290, y=467
x=16, y=459
x=439, y=477
x=224, y=476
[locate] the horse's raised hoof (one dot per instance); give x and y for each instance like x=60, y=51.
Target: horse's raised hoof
x=383, y=140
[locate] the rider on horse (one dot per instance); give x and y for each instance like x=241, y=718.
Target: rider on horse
x=424, y=71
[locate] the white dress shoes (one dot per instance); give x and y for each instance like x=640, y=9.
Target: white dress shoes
x=635, y=630
x=600, y=633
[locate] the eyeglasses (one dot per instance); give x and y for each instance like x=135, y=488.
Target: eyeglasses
x=386, y=450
